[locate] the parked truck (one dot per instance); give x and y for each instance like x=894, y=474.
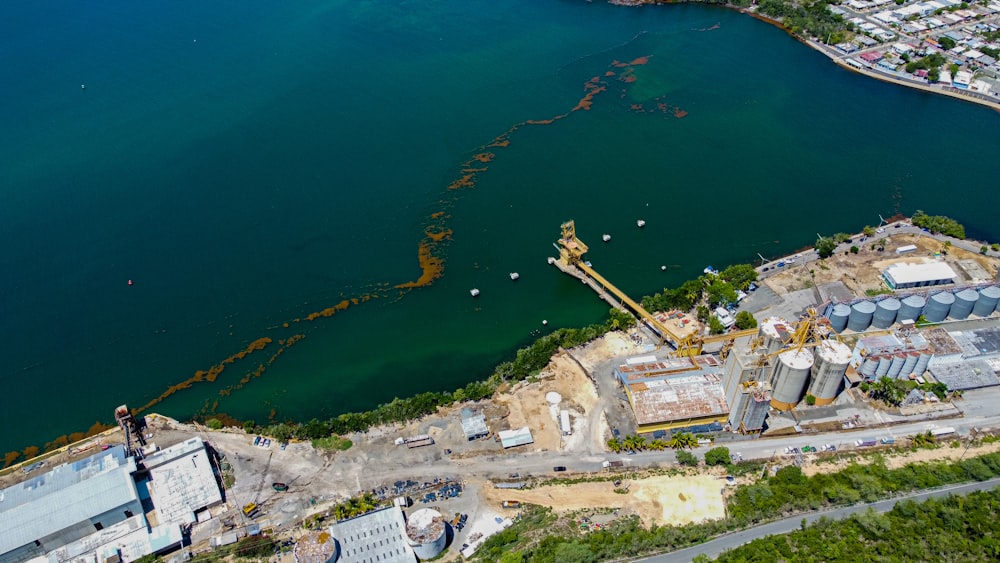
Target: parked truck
x=943, y=431
x=616, y=463
x=510, y=504
x=864, y=443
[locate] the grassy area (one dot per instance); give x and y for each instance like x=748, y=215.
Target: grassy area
x=335, y=443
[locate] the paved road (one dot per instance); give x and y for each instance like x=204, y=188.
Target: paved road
x=715, y=547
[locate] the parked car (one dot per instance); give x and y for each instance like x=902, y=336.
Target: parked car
x=559, y=468
x=256, y=441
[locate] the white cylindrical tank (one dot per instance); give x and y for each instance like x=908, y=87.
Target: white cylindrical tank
x=553, y=398
x=316, y=547
x=965, y=301
x=896, y=364
x=790, y=377
x=938, y=306
x=922, y=361
x=775, y=332
x=861, y=316
x=883, y=365
x=911, y=362
x=868, y=366
x=885, y=312
x=839, y=316
x=832, y=359
x=426, y=532
x=987, y=303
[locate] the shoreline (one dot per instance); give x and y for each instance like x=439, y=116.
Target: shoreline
x=994, y=105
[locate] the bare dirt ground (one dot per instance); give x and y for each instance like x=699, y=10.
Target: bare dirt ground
x=675, y=500
x=897, y=459
x=863, y=271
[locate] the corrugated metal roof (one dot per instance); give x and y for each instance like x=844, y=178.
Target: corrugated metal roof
x=914, y=273
x=378, y=536
x=67, y=495
x=181, y=481
x=475, y=426
x=678, y=398
x=512, y=438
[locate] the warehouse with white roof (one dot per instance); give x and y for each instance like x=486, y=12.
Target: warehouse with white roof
x=903, y=276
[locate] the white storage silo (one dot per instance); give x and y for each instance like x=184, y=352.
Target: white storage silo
x=885, y=312
x=774, y=331
x=910, y=308
x=838, y=317
x=938, y=306
x=896, y=364
x=922, y=361
x=965, y=300
x=868, y=366
x=861, y=316
x=883, y=366
x=911, y=362
x=832, y=359
x=987, y=303
x=790, y=377
x=426, y=533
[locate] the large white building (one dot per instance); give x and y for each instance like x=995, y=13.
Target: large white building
x=902, y=276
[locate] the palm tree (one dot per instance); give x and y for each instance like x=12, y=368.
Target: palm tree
x=640, y=443
x=683, y=440
x=615, y=445
x=657, y=445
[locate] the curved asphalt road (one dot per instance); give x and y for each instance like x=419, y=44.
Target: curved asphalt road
x=715, y=547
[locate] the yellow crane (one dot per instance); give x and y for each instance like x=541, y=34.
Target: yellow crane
x=571, y=251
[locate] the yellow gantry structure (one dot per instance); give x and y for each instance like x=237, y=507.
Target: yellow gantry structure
x=571, y=251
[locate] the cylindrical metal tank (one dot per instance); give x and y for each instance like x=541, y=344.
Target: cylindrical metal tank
x=896, y=364
x=909, y=364
x=910, y=308
x=965, y=300
x=426, y=533
x=789, y=378
x=938, y=306
x=832, y=359
x=885, y=312
x=861, y=316
x=922, y=361
x=839, y=315
x=774, y=331
x=868, y=366
x=316, y=547
x=988, y=299
x=883, y=365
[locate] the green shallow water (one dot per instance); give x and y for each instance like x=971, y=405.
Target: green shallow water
x=248, y=164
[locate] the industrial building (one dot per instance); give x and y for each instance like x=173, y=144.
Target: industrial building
x=474, y=425
x=181, y=481
x=375, y=537
x=514, y=438
x=674, y=393
x=903, y=276
x=90, y=510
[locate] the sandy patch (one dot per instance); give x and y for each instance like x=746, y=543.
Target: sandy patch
x=895, y=460
x=675, y=500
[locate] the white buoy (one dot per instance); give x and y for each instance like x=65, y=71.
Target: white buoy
x=514, y=275
x=664, y=268
x=83, y=86
x=545, y=322
x=474, y=292
x=640, y=223
x=606, y=238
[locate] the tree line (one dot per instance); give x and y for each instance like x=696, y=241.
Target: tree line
x=938, y=224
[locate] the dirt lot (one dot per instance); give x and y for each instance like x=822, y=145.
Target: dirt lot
x=895, y=460
x=661, y=499
x=863, y=271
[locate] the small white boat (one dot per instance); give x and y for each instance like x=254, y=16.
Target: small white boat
x=640, y=223
x=605, y=238
x=474, y=292
x=514, y=275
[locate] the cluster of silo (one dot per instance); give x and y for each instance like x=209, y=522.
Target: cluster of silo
x=832, y=359
x=426, y=533
x=936, y=308
x=896, y=365
x=789, y=378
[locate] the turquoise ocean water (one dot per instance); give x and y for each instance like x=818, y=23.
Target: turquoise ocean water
x=247, y=164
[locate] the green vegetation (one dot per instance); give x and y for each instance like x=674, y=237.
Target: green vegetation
x=636, y=443
x=715, y=326
x=932, y=61
x=892, y=391
x=213, y=423
x=879, y=291
x=356, y=506
x=855, y=249
x=946, y=43
x=810, y=399
x=715, y=289
x=740, y=276
x=825, y=247
x=938, y=224
x=807, y=18
x=332, y=443
x=687, y=458
x=745, y=320
x=953, y=528
x=717, y=456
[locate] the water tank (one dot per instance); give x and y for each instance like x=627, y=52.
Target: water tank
x=861, y=316
x=789, y=379
x=868, y=366
x=885, y=312
x=988, y=299
x=839, y=315
x=922, y=361
x=896, y=365
x=965, y=300
x=910, y=363
x=316, y=547
x=910, y=308
x=775, y=332
x=832, y=359
x=883, y=366
x=426, y=533
x=938, y=306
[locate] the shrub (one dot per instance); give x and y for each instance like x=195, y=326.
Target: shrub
x=687, y=458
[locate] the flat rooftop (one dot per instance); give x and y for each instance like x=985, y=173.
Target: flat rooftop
x=979, y=342
x=181, y=481
x=915, y=273
x=964, y=375
x=376, y=537
x=942, y=343
x=650, y=367
x=678, y=398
